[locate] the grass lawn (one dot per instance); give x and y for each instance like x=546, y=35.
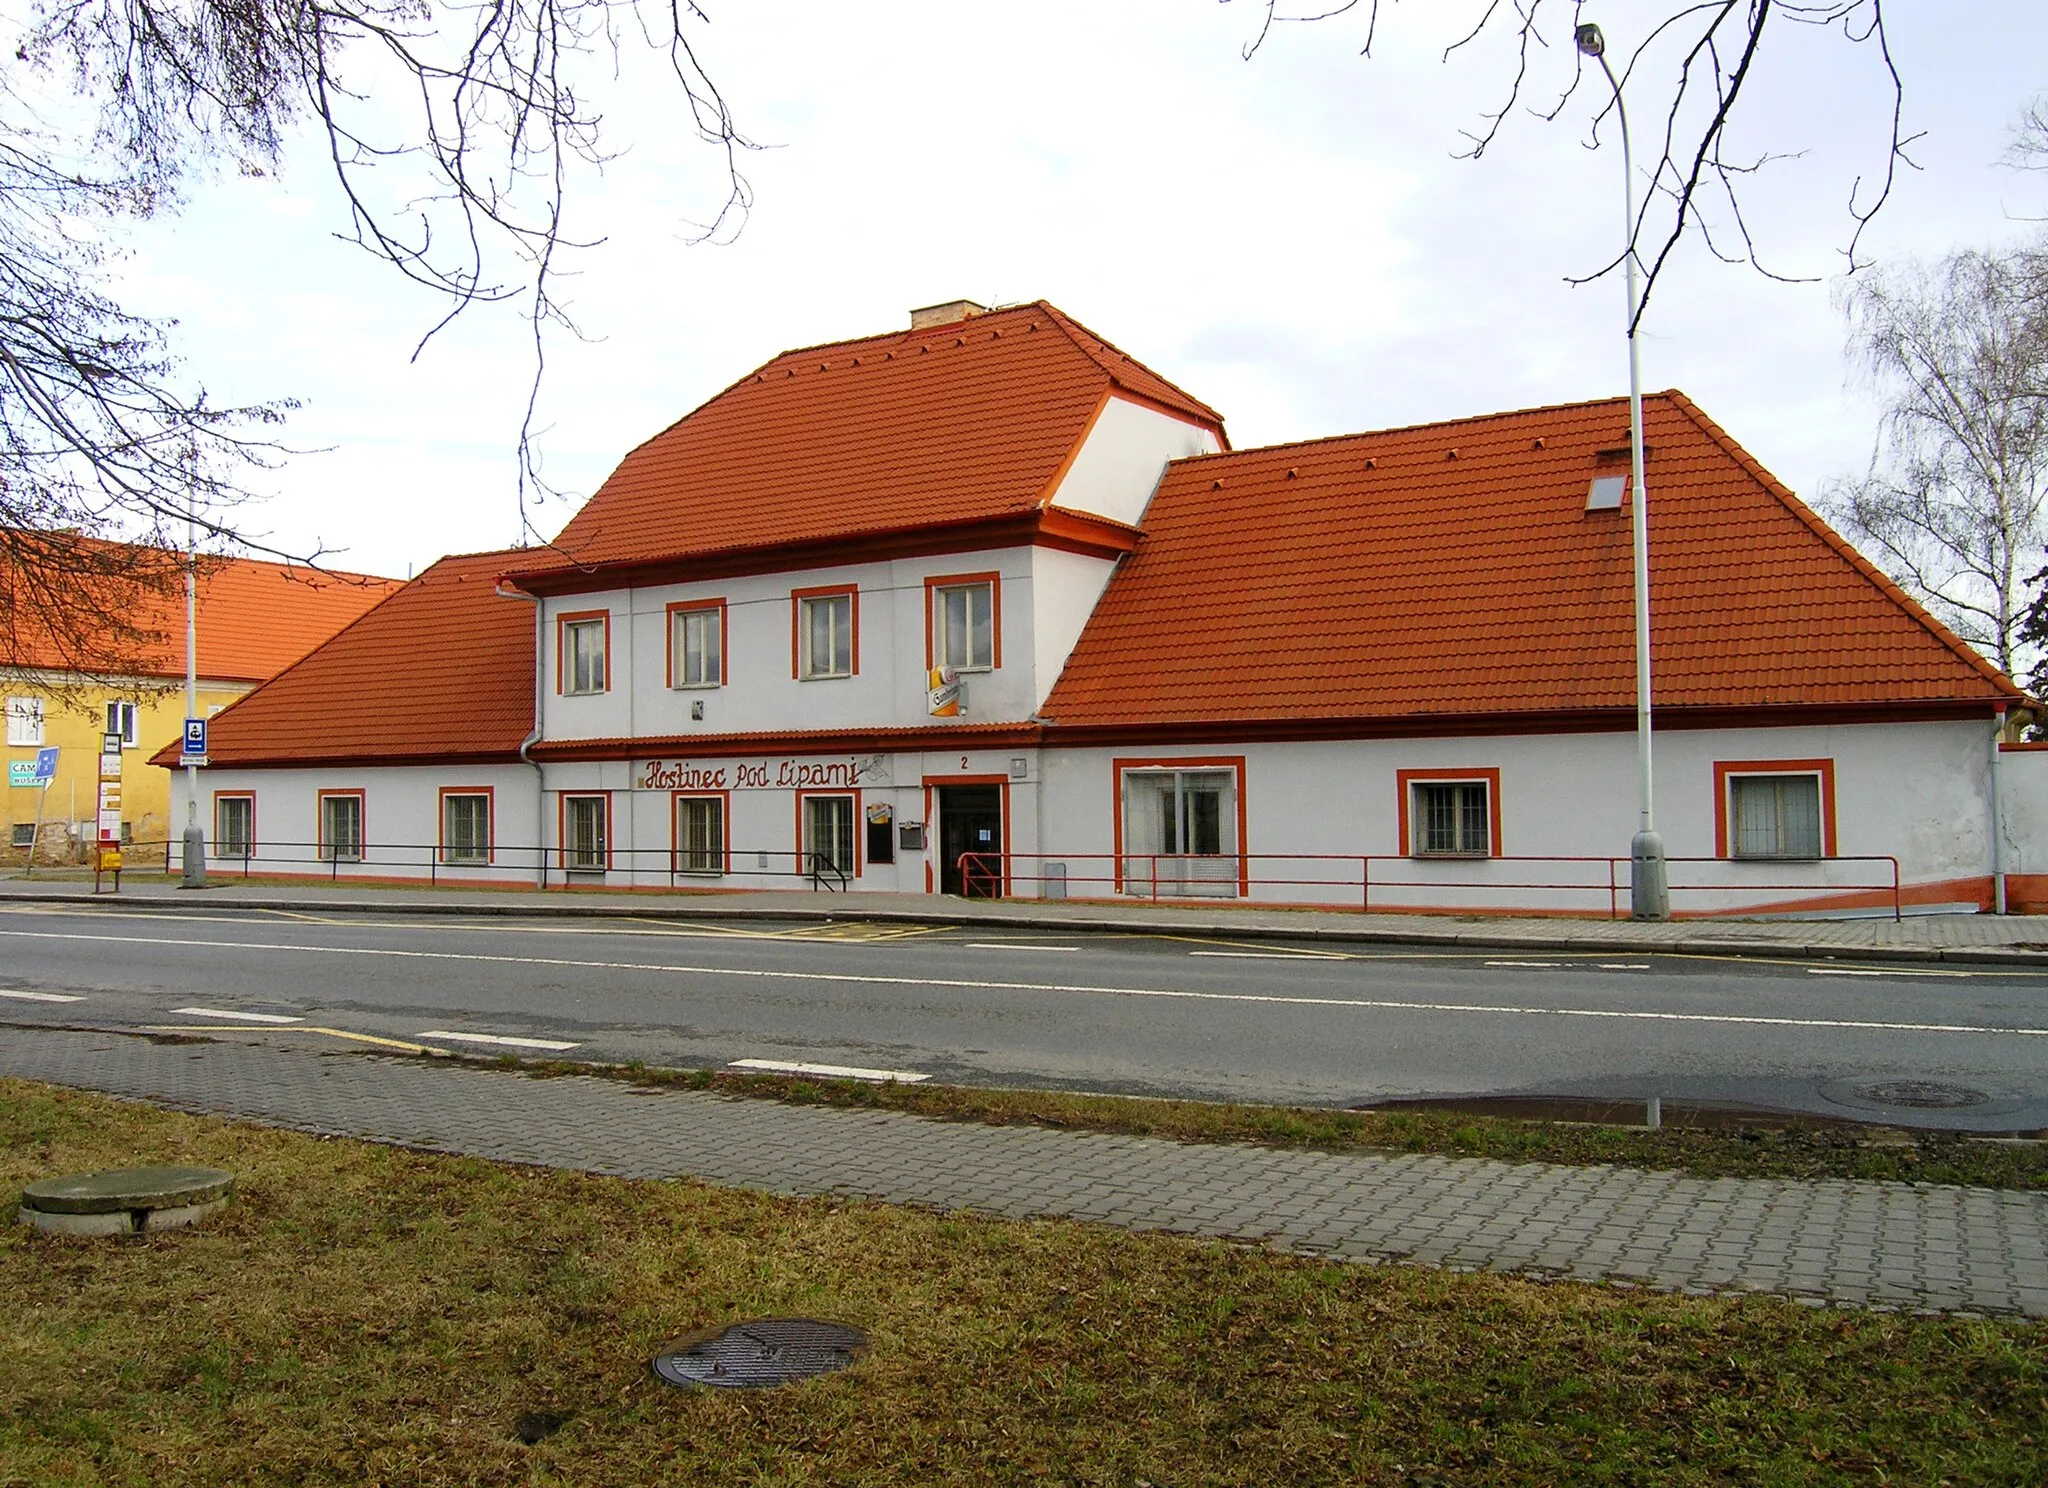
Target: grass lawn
x=362, y=1314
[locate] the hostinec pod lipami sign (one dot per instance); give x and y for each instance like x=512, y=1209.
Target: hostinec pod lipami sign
x=767, y=774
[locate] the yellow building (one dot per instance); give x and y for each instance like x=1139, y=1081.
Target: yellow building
x=255, y=619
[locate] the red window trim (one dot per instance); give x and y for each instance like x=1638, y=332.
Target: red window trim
x=683, y=607
x=1488, y=776
x=562, y=829
x=362, y=823
x=859, y=857
x=931, y=783
x=934, y=583
x=490, y=795
x=562, y=623
x=1725, y=772
x=796, y=628
x=675, y=836
x=1118, y=765
x=235, y=795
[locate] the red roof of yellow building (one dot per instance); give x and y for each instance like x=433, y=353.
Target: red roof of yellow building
x=1449, y=573
x=957, y=423
x=254, y=618
x=442, y=668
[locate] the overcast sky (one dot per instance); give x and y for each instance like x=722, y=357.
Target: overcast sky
x=1290, y=238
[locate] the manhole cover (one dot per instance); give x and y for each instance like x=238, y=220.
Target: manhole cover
x=1924, y=1095
x=752, y=1356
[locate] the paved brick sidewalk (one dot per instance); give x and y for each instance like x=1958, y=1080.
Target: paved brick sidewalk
x=1905, y=1245
x=1967, y=938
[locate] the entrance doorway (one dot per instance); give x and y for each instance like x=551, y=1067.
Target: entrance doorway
x=970, y=821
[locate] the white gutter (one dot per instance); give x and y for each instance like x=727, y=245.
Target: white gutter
x=540, y=795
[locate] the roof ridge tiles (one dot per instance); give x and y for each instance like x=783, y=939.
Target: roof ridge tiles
x=1454, y=423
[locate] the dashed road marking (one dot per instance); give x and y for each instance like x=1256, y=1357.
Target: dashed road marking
x=752, y=973
x=1856, y=971
x=1268, y=956
x=1624, y=966
x=233, y=1017
x=1541, y=965
x=1014, y=945
x=501, y=1040
x=828, y=1071
x=41, y=997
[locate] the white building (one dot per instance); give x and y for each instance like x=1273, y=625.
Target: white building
x=988, y=606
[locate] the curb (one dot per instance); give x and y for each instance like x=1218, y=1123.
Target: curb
x=1001, y=915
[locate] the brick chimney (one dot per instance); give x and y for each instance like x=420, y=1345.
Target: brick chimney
x=946, y=314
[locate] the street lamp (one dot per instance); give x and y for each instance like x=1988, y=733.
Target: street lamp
x=1649, y=887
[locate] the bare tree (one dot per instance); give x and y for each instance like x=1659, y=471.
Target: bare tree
x=1694, y=66
x=1953, y=505
x=453, y=132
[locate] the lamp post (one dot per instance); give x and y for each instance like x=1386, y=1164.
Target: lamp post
x=1649, y=887
x=194, y=858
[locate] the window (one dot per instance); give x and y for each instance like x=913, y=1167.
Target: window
x=1776, y=816
x=700, y=834
x=1180, y=831
x=341, y=827
x=964, y=625
x=1449, y=813
x=465, y=826
x=584, y=832
x=24, y=721
x=696, y=656
x=828, y=835
x=586, y=640
x=234, y=826
x=825, y=642
x=24, y=835
x=121, y=721
x=1451, y=820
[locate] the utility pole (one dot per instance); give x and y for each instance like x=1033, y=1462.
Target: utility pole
x=195, y=839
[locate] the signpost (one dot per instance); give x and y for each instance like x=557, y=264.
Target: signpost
x=35, y=774
x=107, y=855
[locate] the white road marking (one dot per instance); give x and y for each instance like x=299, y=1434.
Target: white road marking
x=40, y=997
x=1270, y=955
x=200, y=1012
x=502, y=1039
x=1014, y=945
x=1842, y=971
x=749, y=973
x=829, y=1071
x=1546, y=965
x=1624, y=966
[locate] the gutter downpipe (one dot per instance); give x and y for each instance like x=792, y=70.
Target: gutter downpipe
x=540, y=795
x=1998, y=814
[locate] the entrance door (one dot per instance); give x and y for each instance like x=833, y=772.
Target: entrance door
x=970, y=821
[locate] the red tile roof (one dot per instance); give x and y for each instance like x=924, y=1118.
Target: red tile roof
x=255, y=618
x=1451, y=570
x=441, y=669
x=956, y=423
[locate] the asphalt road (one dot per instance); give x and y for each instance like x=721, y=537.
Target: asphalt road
x=1141, y=1014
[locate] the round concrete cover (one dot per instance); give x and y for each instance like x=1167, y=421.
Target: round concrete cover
x=120, y=1189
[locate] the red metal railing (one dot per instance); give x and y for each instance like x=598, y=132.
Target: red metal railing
x=1165, y=877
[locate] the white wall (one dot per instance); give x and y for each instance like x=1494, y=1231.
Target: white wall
x=2024, y=794
x=1915, y=791
x=1120, y=461
x=401, y=810
x=1065, y=588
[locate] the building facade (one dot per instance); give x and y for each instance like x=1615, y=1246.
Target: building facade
x=254, y=618
x=988, y=607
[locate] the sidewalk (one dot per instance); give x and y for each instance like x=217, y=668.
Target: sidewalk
x=2014, y=940
x=1886, y=1244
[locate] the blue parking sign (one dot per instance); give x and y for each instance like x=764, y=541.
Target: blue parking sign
x=195, y=736
x=46, y=766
